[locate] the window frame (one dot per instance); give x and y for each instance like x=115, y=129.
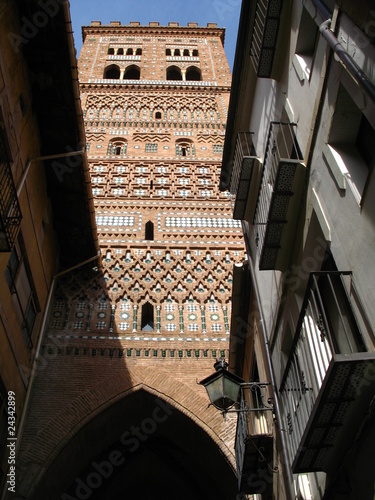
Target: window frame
x=340, y=150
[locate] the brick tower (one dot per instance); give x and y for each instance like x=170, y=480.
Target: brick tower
x=132, y=339
x=155, y=101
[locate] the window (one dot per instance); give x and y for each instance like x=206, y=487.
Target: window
x=195, y=53
x=305, y=48
x=149, y=231
x=158, y=115
x=117, y=148
x=120, y=52
x=112, y=72
x=177, y=52
x=151, y=147
x=186, y=53
x=174, y=73
x=365, y=142
x=138, y=52
x=132, y=72
x=350, y=152
x=129, y=52
x=184, y=148
x=338, y=312
x=168, y=52
x=147, y=323
x=193, y=74
x=111, y=51
x=217, y=148
x=18, y=277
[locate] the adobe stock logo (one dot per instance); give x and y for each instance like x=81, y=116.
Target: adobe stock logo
x=99, y=472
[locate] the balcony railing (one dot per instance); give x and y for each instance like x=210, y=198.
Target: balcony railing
x=279, y=197
x=264, y=36
x=321, y=387
x=10, y=213
x=254, y=443
x=244, y=183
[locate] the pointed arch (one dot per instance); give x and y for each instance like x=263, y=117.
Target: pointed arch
x=116, y=411
x=174, y=73
x=193, y=74
x=132, y=72
x=112, y=72
x=147, y=317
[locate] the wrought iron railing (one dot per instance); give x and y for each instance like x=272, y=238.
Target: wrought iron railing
x=326, y=327
x=281, y=161
x=10, y=213
x=243, y=164
x=254, y=419
x=264, y=36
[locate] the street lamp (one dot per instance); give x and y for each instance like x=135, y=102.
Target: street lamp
x=222, y=386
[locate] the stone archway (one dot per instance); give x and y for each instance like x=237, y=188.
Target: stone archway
x=140, y=447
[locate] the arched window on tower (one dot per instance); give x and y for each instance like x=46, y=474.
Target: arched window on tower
x=147, y=322
x=129, y=52
x=158, y=115
x=195, y=53
x=174, y=73
x=184, y=148
x=168, y=52
x=111, y=51
x=193, y=74
x=186, y=52
x=112, y=72
x=120, y=52
x=138, y=52
x=149, y=231
x=117, y=147
x=177, y=52
x=132, y=72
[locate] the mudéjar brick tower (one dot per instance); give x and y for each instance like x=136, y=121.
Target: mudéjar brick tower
x=126, y=343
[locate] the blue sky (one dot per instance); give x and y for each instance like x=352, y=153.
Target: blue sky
x=223, y=12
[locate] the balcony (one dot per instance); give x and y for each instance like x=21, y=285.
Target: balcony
x=254, y=441
x=327, y=386
x=10, y=213
x=245, y=179
x=265, y=35
x=279, y=198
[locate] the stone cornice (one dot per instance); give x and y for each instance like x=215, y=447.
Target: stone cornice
x=109, y=87
x=126, y=30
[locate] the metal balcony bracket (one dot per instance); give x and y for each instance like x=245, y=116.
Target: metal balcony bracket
x=245, y=178
x=254, y=438
x=279, y=197
x=344, y=397
x=264, y=36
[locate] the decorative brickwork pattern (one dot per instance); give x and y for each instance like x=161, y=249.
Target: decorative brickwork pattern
x=156, y=315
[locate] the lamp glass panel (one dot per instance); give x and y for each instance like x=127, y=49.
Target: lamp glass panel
x=231, y=389
x=215, y=389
